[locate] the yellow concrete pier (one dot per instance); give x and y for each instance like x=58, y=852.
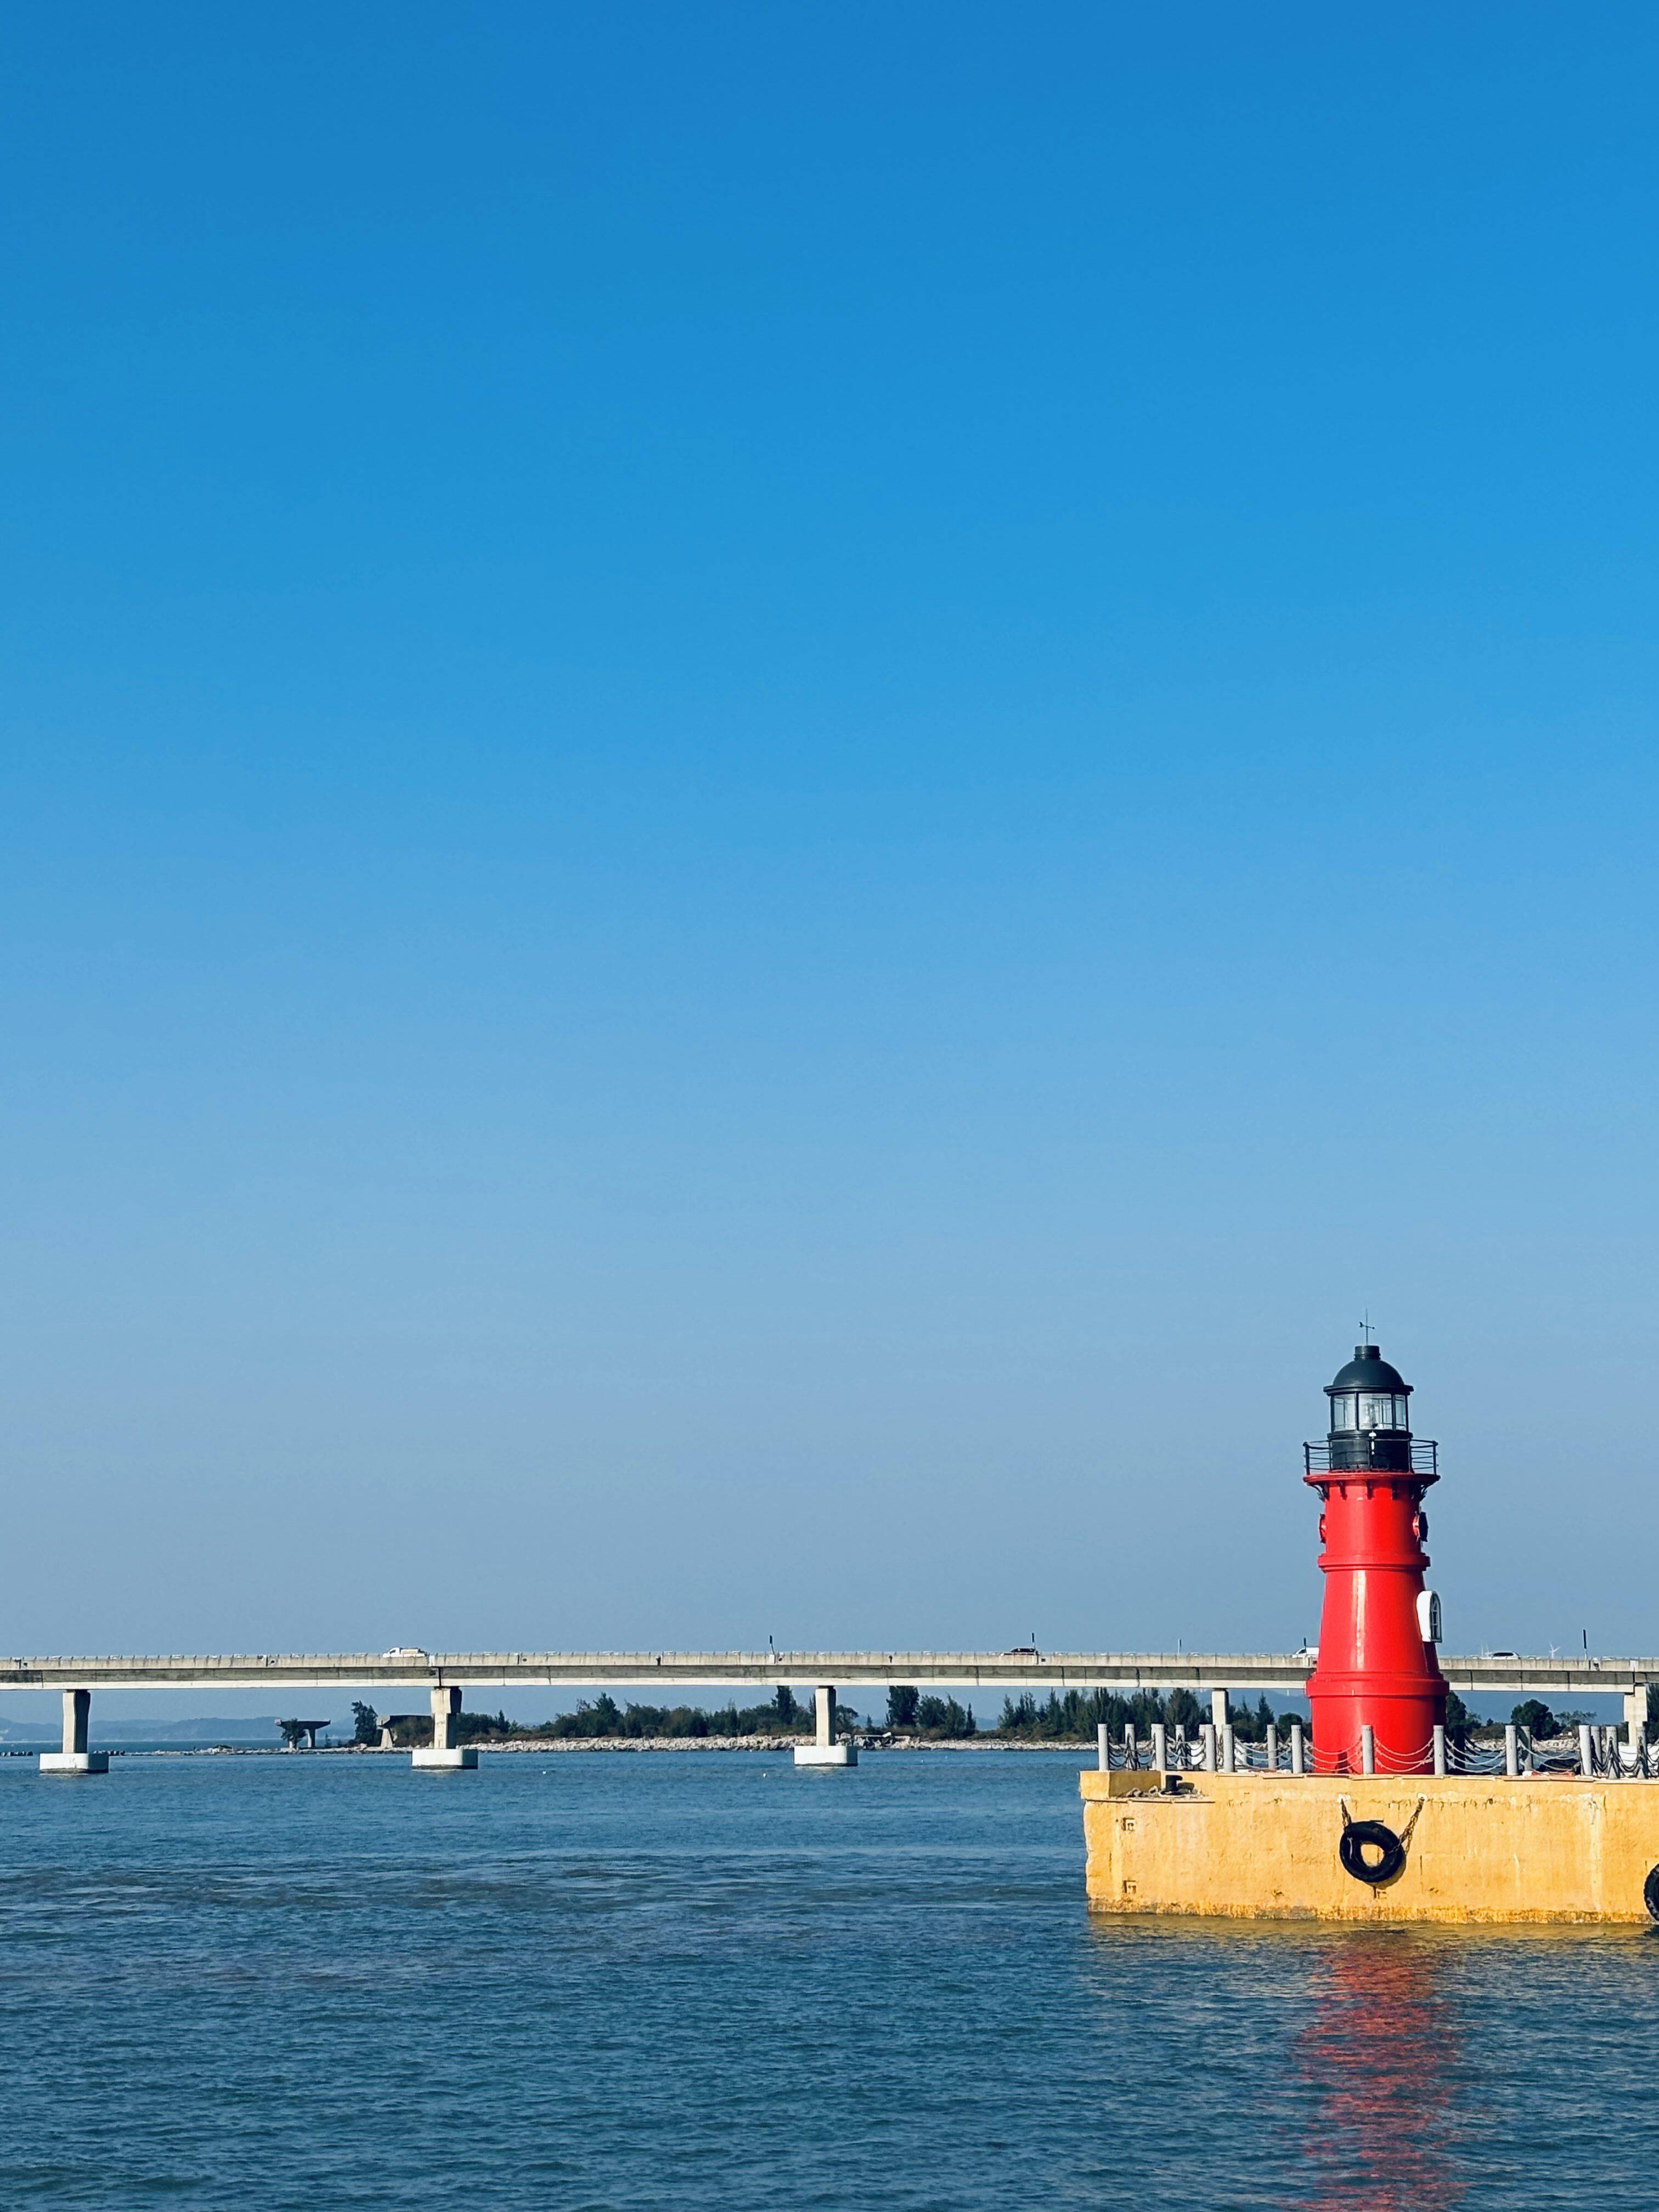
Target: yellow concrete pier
x=1265, y=1846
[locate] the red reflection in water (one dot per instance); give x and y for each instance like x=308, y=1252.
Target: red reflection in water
x=1378, y=2060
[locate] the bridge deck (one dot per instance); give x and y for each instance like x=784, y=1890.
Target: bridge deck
x=661, y=1671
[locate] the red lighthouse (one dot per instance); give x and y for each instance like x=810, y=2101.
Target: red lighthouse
x=1376, y=1667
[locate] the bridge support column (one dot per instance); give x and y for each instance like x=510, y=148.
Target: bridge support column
x=1635, y=1718
x=825, y=1752
x=446, y=1752
x=74, y=1758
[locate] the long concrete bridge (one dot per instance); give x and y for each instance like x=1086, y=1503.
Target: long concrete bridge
x=447, y=1675
x=1498, y=1673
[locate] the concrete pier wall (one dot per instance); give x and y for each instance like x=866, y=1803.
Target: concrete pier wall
x=1265, y=1846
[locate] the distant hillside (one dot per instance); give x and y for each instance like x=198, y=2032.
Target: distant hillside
x=240, y=1728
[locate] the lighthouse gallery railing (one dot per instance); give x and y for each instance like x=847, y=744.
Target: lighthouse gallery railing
x=1365, y=1450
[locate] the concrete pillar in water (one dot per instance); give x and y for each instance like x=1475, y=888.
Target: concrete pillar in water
x=445, y=1752
x=1218, y=1710
x=74, y=1758
x=1368, y=1749
x=1299, y=1749
x=1439, y=1748
x=825, y=1751
x=1160, y=1747
x=1511, y=1750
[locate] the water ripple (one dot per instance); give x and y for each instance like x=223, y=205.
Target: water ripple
x=298, y=1985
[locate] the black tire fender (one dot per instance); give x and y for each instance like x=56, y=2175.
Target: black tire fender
x=1359, y=1836
x=1650, y=1893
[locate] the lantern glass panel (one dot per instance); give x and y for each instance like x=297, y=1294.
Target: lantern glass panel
x=1342, y=1411
x=1377, y=1410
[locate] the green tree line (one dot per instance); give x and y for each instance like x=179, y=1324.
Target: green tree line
x=909, y=1713
x=602, y=1717
x=1071, y=1716
x=1077, y=1713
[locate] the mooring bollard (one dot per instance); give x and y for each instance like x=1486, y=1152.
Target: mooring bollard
x=1101, y=1751
x=1273, y=1747
x=1586, y=1751
x=1512, y=1751
x=1368, y=1749
x=1299, y=1757
x=1160, y=1747
x=1440, y=1748
x=1207, y=1747
x=1228, y=1751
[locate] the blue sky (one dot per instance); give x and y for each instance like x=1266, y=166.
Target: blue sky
x=783, y=788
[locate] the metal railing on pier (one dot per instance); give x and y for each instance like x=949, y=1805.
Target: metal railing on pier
x=1595, y=1754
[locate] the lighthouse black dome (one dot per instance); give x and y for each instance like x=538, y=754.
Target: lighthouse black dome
x=1368, y=1371
x=1370, y=1413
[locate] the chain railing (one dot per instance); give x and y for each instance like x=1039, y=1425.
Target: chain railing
x=1610, y=1758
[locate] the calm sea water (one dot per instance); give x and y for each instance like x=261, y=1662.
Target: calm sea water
x=707, y=1981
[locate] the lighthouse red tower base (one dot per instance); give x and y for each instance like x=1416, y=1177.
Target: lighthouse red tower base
x=1376, y=1667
